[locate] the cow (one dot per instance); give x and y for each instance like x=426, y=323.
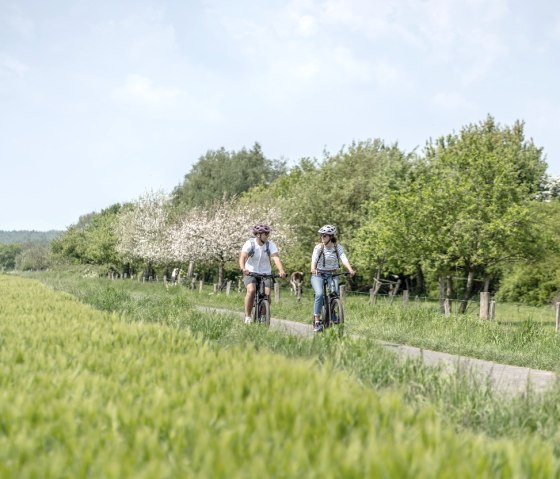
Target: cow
x=296, y=283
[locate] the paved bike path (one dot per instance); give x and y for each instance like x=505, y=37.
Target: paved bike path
x=504, y=377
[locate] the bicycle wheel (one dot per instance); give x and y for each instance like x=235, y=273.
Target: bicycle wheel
x=325, y=316
x=264, y=316
x=254, y=312
x=337, y=314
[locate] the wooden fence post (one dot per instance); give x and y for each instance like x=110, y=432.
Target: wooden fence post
x=228, y=288
x=484, y=304
x=405, y=297
x=200, y=284
x=341, y=291
x=492, y=312
x=276, y=293
x=558, y=317
x=215, y=287
x=446, y=307
x=372, y=296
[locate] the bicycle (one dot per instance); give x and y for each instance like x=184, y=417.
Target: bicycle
x=332, y=312
x=261, y=304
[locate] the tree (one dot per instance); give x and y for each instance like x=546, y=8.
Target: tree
x=221, y=174
x=216, y=234
x=464, y=206
x=549, y=188
x=91, y=240
x=333, y=191
x=142, y=228
x=536, y=280
x=8, y=254
x=34, y=256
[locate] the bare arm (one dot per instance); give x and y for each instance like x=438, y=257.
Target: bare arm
x=276, y=258
x=243, y=257
x=347, y=265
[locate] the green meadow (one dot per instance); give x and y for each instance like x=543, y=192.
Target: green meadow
x=122, y=379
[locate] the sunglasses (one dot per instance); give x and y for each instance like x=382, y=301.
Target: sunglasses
x=266, y=234
x=324, y=234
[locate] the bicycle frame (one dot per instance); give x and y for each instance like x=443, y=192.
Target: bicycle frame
x=332, y=311
x=261, y=303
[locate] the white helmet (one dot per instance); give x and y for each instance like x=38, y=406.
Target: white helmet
x=327, y=230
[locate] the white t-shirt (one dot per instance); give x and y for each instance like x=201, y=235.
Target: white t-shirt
x=259, y=262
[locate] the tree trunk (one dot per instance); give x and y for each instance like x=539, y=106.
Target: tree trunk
x=449, y=287
x=395, y=289
x=420, y=283
x=376, y=285
x=468, y=291
x=441, y=281
x=486, y=287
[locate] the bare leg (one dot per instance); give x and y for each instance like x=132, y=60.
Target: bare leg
x=249, y=299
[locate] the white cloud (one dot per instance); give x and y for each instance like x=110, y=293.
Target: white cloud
x=450, y=101
x=387, y=75
x=306, y=71
x=306, y=25
x=14, y=20
x=556, y=29
x=12, y=65
x=351, y=67
x=139, y=89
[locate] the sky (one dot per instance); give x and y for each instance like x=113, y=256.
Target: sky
x=104, y=100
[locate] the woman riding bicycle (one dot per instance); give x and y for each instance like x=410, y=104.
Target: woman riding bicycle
x=325, y=259
x=255, y=258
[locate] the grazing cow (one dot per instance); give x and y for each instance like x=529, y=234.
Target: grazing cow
x=296, y=282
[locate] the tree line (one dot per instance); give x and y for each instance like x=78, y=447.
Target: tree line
x=475, y=211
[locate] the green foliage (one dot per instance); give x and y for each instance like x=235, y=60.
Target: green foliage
x=35, y=257
x=536, y=281
x=92, y=240
x=333, y=191
x=220, y=174
x=8, y=254
x=465, y=205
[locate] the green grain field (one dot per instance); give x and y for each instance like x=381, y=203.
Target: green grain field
x=146, y=386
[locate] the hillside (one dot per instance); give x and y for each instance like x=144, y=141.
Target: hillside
x=25, y=236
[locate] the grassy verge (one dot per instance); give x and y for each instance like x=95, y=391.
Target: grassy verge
x=522, y=338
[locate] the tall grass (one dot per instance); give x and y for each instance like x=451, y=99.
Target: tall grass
x=520, y=338
x=461, y=400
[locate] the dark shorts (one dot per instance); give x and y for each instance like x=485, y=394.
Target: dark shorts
x=252, y=280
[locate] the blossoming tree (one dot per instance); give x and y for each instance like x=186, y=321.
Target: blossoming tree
x=142, y=229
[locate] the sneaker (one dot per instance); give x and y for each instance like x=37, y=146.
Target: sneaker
x=248, y=320
x=318, y=327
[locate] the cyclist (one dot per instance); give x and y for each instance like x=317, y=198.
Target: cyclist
x=255, y=257
x=326, y=257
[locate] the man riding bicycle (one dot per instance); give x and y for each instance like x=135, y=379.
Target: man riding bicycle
x=255, y=258
x=325, y=259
